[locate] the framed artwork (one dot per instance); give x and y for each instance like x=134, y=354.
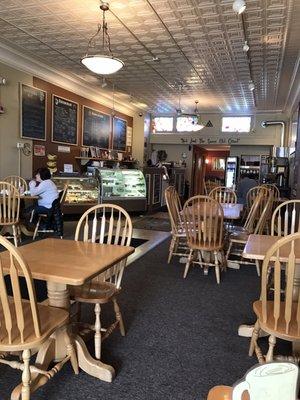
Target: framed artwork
x=93, y=151
x=33, y=104
x=119, y=134
x=218, y=164
x=96, y=128
x=64, y=120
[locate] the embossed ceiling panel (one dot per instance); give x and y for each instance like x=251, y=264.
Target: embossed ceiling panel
x=199, y=43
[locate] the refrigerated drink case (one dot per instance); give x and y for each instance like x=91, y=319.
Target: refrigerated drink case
x=231, y=172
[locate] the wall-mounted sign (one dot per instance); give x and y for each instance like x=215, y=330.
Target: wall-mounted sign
x=96, y=128
x=32, y=113
x=119, y=134
x=39, y=150
x=64, y=149
x=64, y=120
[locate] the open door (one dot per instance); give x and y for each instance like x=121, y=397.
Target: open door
x=198, y=172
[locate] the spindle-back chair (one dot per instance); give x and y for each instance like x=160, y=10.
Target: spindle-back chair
x=18, y=182
x=223, y=195
x=9, y=210
x=286, y=219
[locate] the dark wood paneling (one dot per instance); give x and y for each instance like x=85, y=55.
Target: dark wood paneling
x=67, y=158
x=297, y=158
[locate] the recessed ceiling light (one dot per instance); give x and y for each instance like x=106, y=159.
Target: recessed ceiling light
x=251, y=86
x=239, y=6
x=246, y=47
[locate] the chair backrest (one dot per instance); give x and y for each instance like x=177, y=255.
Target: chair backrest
x=63, y=194
x=253, y=193
x=223, y=195
x=106, y=224
x=274, y=189
x=288, y=313
x=174, y=209
x=285, y=218
x=259, y=212
x=203, y=219
x=13, y=312
x=9, y=204
x=17, y=181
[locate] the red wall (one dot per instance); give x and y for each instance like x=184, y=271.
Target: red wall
x=209, y=173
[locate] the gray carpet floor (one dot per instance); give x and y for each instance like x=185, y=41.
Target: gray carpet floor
x=181, y=336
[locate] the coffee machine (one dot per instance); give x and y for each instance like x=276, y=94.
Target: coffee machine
x=275, y=169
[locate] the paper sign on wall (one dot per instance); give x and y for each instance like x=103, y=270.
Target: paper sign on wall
x=68, y=168
x=39, y=150
x=129, y=136
x=64, y=149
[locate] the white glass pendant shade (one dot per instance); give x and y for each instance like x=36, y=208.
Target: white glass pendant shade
x=102, y=65
x=239, y=6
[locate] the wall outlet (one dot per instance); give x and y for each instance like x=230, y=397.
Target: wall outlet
x=20, y=145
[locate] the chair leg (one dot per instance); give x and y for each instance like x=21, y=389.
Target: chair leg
x=71, y=351
x=171, y=249
x=36, y=229
x=254, y=338
x=228, y=251
x=78, y=311
x=272, y=342
x=188, y=262
x=217, y=267
x=119, y=317
x=97, y=332
x=257, y=267
x=15, y=235
x=26, y=376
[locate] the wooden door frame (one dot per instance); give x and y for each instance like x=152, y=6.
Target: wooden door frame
x=201, y=151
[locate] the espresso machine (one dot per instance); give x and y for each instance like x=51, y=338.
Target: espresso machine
x=275, y=169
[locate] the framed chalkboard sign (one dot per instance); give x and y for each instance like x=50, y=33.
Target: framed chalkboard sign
x=32, y=113
x=96, y=128
x=64, y=120
x=119, y=134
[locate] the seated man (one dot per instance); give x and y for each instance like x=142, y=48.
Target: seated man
x=246, y=183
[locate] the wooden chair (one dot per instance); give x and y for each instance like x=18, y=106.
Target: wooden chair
x=178, y=241
x=26, y=325
x=252, y=195
x=9, y=210
x=46, y=217
x=274, y=189
x=285, y=218
x=110, y=224
x=17, y=181
x=223, y=195
x=255, y=224
x=223, y=393
x=203, y=219
x=280, y=317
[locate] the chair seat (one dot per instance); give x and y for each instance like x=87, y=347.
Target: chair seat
x=51, y=318
x=224, y=393
x=239, y=237
x=196, y=245
x=269, y=326
x=95, y=292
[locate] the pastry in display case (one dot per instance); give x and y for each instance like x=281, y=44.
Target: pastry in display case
x=125, y=187
x=82, y=192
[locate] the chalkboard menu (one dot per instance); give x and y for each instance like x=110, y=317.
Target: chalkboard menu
x=119, y=134
x=33, y=113
x=64, y=120
x=96, y=128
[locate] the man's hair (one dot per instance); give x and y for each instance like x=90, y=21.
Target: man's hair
x=44, y=173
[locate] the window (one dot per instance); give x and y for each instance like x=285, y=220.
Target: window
x=188, y=124
x=236, y=124
x=162, y=124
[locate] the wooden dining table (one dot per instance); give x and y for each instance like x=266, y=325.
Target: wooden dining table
x=256, y=249
x=65, y=263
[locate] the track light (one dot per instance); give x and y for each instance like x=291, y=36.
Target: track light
x=246, y=47
x=251, y=86
x=239, y=6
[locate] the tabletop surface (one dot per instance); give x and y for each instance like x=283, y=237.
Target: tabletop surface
x=67, y=261
x=258, y=245
x=232, y=211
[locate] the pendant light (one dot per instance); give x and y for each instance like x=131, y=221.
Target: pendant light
x=199, y=122
x=104, y=63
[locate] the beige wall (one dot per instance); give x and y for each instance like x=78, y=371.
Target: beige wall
x=10, y=125
x=138, y=138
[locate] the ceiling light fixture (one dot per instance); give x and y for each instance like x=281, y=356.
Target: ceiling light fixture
x=251, y=86
x=106, y=63
x=246, y=47
x=104, y=83
x=178, y=110
x=239, y=6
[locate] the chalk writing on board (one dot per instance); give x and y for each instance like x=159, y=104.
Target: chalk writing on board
x=64, y=121
x=33, y=113
x=96, y=128
x=119, y=134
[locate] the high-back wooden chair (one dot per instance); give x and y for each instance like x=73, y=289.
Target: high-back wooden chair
x=274, y=189
x=223, y=195
x=110, y=224
x=24, y=324
x=203, y=219
x=286, y=219
x=9, y=210
x=17, y=181
x=253, y=193
x=279, y=317
x=178, y=241
x=255, y=223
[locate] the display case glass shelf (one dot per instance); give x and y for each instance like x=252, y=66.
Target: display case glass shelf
x=122, y=183
x=81, y=190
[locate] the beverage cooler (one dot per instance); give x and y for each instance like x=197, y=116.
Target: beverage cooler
x=231, y=172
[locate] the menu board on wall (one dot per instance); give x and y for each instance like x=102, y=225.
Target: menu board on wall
x=32, y=112
x=64, y=120
x=119, y=134
x=96, y=128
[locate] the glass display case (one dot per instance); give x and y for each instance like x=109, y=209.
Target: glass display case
x=126, y=187
x=83, y=192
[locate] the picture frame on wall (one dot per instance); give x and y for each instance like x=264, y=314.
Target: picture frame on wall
x=119, y=134
x=93, y=151
x=64, y=121
x=33, y=111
